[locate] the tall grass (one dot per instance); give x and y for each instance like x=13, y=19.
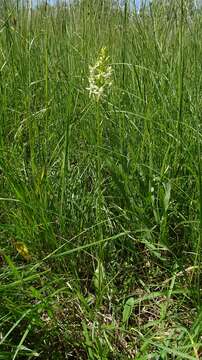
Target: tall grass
x=101, y=202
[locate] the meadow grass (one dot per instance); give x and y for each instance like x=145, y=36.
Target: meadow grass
x=100, y=199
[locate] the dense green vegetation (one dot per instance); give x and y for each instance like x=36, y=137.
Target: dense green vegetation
x=100, y=189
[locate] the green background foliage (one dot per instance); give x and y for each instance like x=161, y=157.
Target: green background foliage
x=105, y=197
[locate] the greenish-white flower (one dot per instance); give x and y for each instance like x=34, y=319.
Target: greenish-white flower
x=100, y=76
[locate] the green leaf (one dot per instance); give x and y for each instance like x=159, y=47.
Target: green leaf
x=128, y=309
x=99, y=277
x=167, y=196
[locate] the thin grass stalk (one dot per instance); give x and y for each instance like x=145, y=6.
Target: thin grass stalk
x=122, y=122
x=84, y=32
x=124, y=42
x=45, y=150
x=99, y=177
x=29, y=14
x=198, y=258
x=3, y=107
x=30, y=120
x=65, y=166
x=181, y=75
x=99, y=205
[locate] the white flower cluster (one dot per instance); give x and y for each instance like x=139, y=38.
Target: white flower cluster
x=100, y=78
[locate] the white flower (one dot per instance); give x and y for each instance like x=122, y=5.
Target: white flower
x=100, y=76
